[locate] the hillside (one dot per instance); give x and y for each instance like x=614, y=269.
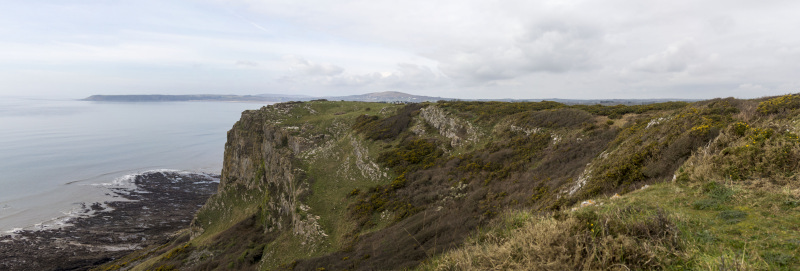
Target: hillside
x=451, y=185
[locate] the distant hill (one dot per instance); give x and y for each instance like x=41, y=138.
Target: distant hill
x=386, y=96
x=389, y=96
x=177, y=98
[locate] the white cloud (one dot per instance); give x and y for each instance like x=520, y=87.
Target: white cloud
x=551, y=46
x=405, y=77
x=752, y=87
x=676, y=58
x=305, y=75
x=246, y=63
x=469, y=48
x=307, y=68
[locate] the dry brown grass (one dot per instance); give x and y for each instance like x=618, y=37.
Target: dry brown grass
x=762, y=151
x=747, y=111
x=625, y=239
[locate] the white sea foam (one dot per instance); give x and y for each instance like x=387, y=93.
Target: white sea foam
x=14, y=230
x=124, y=181
x=79, y=211
x=128, y=181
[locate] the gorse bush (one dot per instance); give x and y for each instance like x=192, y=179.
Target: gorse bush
x=617, y=111
x=761, y=153
x=740, y=128
x=378, y=199
x=490, y=111
x=779, y=104
x=654, y=147
x=555, y=118
x=411, y=153
x=387, y=128
x=510, y=152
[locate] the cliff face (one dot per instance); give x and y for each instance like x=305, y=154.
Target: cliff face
x=366, y=186
x=261, y=177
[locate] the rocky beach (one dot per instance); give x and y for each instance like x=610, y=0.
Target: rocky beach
x=151, y=213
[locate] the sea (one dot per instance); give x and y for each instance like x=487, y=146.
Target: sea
x=59, y=155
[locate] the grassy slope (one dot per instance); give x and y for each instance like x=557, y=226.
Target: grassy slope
x=733, y=205
x=753, y=229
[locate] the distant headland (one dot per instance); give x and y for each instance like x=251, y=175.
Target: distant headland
x=387, y=96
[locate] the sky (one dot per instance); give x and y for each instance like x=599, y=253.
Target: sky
x=457, y=49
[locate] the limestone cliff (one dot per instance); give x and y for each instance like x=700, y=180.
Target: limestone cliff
x=260, y=159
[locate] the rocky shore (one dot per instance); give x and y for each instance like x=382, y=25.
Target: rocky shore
x=162, y=203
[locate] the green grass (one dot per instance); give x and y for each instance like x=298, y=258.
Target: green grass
x=753, y=229
x=225, y=209
x=746, y=224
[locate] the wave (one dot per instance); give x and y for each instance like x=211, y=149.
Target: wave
x=119, y=186
x=128, y=180
x=79, y=211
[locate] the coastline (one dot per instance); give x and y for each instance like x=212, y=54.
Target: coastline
x=150, y=209
x=52, y=208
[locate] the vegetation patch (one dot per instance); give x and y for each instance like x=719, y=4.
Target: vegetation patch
x=240, y=247
x=782, y=104
x=376, y=128
x=628, y=238
x=653, y=148
x=412, y=153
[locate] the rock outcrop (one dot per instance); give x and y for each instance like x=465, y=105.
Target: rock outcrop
x=259, y=159
x=459, y=131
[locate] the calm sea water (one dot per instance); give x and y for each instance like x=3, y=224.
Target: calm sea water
x=57, y=154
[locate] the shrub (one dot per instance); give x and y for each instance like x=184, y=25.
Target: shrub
x=489, y=111
x=378, y=199
x=761, y=153
x=740, y=128
x=779, y=104
x=617, y=111
x=411, y=153
x=706, y=204
x=732, y=216
x=717, y=191
x=388, y=128
x=656, y=145
x=555, y=118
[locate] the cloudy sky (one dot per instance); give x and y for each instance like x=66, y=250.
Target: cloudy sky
x=460, y=49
